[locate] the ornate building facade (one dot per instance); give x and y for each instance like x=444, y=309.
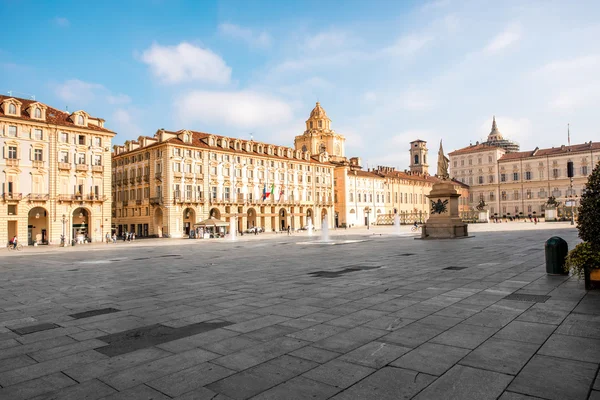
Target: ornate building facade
x=520, y=182
x=56, y=173
x=165, y=184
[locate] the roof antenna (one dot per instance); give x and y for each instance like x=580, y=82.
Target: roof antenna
x=251, y=136
x=67, y=108
x=569, y=134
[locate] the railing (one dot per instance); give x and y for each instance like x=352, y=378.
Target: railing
x=158, y=175
x=189, y=175
x=146, y=178
x=68, y=197
x=64, y=165
x=177, y=174
x=156, y=200
x=125, y=203
x=139, y=179
x=12, y=162
x=97, y=168
x=95, y=197
x=132, y=180
x=138, y=202
x=81, y=167
x=37, y=163
x=12, y=196
x=38, y=196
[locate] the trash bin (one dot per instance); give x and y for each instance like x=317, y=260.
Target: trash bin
x=556, y=251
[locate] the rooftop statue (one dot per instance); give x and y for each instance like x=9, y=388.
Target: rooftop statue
x=442, y=167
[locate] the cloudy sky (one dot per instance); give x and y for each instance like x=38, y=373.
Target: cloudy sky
x=386, y=72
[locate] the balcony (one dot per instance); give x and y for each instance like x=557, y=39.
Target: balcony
x=81, y=167
x=132, y=180
x=146, y=178
x=12, y=162
x=193, y=199
x=97, y=168
x=68, y=197
x=156, y=201
x=189, y=175
x=177, y=174
x=138, y=202
x=12, y=196
x=95, y=197
x=138, y=179
x=38, y=196
x=64, y=166
x=158, y=175
x=37, y=164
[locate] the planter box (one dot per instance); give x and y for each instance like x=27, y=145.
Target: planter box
x=592, y=278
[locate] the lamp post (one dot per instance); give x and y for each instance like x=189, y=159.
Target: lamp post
x=64, y=239
x=368, y=210
x=572, y=199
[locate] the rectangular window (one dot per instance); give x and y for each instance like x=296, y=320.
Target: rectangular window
x=64, y=137
x=213, y=192
x=584, y=170
x=37, y=154
x=516, y=195
x=491, y=179
x=213, y=170
x=97, y=142
x=64, y=157
x=80, y=158
x=515, y=176
x=12, y=131
x=97, y=159
x=37, y=134
x=555, y=173
x=81, y=139
x=528, y=175
x=12, y=152
x=176, y=167
x=502, y=177
x=480, y=180
x=227, y=193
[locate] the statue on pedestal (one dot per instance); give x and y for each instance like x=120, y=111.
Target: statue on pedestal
x=442, y=168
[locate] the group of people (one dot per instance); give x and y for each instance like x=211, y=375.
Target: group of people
x=127, y=237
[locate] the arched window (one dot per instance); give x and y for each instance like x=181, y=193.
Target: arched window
x=80, y=120
x=304, y=148
x=311, y=125
x=12, y=109
x=186, y=138
x=37, y=113
x=320, y=124
x=322, y=148
x=416, y=158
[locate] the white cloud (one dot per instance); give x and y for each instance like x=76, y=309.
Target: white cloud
x=118, y=99
x=77, y=91
x=123, y=121
x=415, y=100
x=253, y=39
x=408, y=44
x=186, y=62
x=62, y=22
x=327, y=40
x=503, y=40
x=242, y=109
x=588, y=62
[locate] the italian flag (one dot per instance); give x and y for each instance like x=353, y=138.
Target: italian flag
x=273, y=190
x=265, y=193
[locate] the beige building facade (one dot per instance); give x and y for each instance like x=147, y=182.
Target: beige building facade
x=56, y=173
x=519, y=183
x=165, y=184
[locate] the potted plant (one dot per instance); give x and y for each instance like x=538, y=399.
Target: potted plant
x=584, y=259
x=584, y=262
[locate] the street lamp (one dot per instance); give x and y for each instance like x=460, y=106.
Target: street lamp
x=572, y=199
x=63, y=239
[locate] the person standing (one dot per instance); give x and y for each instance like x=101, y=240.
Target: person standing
x=114, y=237
x=107, y=238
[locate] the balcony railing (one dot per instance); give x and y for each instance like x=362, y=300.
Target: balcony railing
x=177, y=174
x=68, y=197
x=125, y=203
x=64, y=165
x=189, y=175
x=81, y=167
x=156, y=200
x=37, y=163
x=95, y=197
x=12, y=196
x=146, y=178
x=138, y=179
x=158, y=175
x=132, y=180
x=38, y=196
x=138, y=202
x=12, y=162
x=97, y=168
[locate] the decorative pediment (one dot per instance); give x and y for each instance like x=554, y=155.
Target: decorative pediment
x=79, y=117
x=37, y=110
x=11, y=106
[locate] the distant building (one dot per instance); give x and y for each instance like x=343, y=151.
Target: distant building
x=520, y=182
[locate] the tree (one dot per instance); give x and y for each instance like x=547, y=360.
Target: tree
x=588, y=222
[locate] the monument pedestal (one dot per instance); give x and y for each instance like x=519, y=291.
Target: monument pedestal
x=550, y=214
x=444, y=222
x=484, y=216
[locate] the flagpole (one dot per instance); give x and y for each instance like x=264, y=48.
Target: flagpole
x=569, y=134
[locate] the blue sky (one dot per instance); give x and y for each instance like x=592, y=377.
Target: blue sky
x=386, y=72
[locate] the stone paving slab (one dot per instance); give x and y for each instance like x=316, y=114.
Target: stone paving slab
x=395, y=324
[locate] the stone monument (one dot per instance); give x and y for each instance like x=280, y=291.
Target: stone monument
x=444, y=222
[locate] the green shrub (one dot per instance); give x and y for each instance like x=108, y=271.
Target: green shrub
x=588, y=221
x=581, y=256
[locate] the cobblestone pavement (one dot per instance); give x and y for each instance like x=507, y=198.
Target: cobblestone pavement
x=374, y=317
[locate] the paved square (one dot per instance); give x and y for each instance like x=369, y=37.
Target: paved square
x=280, y=317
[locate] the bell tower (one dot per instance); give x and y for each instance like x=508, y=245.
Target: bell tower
x=418, y=157
x=319, y=137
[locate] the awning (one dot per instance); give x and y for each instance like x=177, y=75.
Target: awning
x=212, y=222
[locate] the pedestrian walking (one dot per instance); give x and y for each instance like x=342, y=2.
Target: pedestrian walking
x=289, y=230
x=107, y=238
x=114, y=237
x=132, y=236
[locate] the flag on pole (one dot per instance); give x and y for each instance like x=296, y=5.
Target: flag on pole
x=265, y=193
x=273, y=190
x=280, y=195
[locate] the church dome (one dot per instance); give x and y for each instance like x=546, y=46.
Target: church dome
x=495, y=134
x=318, y=112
